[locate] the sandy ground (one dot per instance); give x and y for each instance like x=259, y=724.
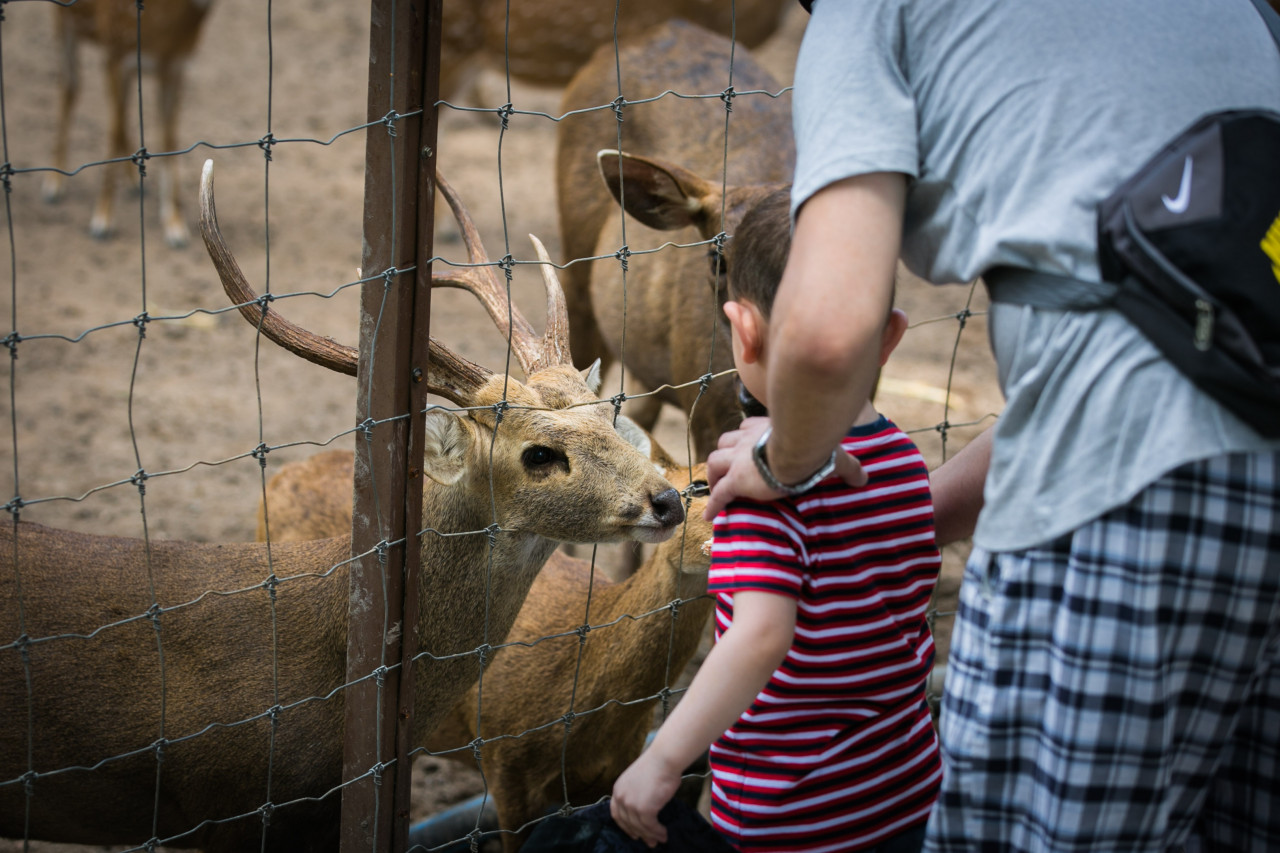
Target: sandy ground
x=83, y=410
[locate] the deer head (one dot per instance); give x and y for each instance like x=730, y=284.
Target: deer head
x=559, y=470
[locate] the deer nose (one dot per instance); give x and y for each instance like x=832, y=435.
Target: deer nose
x=668, y=508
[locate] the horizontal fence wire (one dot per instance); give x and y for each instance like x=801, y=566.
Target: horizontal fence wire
x=166, y=467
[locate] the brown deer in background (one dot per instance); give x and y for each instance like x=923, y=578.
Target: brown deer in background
x=168, y=690
x=631, y=652
x=163, y=34
x=687, y=174
x=546, y=41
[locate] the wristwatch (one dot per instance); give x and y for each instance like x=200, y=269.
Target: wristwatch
x=762, y=465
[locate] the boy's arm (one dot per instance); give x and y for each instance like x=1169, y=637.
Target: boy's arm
x=736, y=670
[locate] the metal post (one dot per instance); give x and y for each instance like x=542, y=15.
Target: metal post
x=404, y=48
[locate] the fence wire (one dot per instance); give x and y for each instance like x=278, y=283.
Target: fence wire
x=140, y=450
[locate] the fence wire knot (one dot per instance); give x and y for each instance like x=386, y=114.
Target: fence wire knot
x=380, y=676
x=704, y=382
x=491, y=533
x=266, y=810
x=15, y=505
x=505, y=112
x=475, y=748
x=617, y=400
x=674, y=607
x=622, y=255
x=727, y=96
x=942, y=428
x=139, y=479
x=265, y=143
x=158, y=747
x=140, y=158
x=151, y=845
x=617, y=105
x=271, y=584
x=388, y=274
x=963, y=317
x=484, y=652
x=260, y=453
x=11, y=341
x=390, y=120
x=366, y=427
x=665, y=695
x=376, y=772
x=6, y=170
x=153, y=613
x=141, y=322
x=499, y=410
x=29, y=782
x=507, y=265
x=264, y=300
x=582, y=631
x=568, y=719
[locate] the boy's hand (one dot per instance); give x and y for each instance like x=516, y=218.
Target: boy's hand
x=640, y=792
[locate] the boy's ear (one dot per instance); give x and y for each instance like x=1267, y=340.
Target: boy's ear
x=748, y=325
x=894, y=329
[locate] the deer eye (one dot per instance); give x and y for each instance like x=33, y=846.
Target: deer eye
x=540, y=457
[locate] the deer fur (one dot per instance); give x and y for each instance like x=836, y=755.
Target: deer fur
x=681, y=180
x=169, y=33
x=546, y=41
x=123, y=644
x=536, y=678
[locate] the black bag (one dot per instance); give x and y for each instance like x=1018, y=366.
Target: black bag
x=1193, y=243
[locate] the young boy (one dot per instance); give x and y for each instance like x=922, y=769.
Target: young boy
x=812, y=701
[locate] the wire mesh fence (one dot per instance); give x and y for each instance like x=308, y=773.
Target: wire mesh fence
x=140, y=404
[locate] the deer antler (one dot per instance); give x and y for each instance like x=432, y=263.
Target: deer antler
x=449, y=375
x=482, y=280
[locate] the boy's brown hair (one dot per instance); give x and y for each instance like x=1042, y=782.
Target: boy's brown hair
x=758, y=251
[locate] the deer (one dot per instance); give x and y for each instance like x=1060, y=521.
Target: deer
x=681, y=174
x=163, y=35
x=632, y=652
x=191, y=693
x=544, y=42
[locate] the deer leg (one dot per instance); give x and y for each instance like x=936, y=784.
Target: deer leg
x=117, y=146
x=175, y=227
x=68, y=91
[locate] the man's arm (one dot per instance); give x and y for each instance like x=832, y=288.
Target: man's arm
x=956, y=486
x=824, y=336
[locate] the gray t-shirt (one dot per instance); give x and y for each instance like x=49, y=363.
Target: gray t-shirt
x=1013, y=120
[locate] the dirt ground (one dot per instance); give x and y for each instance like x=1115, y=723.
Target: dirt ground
x=87, y=407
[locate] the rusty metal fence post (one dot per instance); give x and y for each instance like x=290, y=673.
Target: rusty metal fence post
x=404, y=50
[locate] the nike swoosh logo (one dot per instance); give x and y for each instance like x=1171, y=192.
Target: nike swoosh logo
x=1180, y=202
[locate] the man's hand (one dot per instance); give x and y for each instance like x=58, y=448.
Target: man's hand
x=732, y=472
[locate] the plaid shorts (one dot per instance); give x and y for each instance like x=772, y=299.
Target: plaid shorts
x=1119, y=689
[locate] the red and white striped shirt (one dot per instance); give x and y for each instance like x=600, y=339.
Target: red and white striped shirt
x=838, y=751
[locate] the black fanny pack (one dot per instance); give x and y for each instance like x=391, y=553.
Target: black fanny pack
x=1192, y=243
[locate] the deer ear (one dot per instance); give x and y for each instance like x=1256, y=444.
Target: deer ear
x=660, y=194
x=632, y=434
x=592, y=377
x=447, y=442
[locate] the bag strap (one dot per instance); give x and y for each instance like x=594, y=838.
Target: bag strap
x=1271, y=19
